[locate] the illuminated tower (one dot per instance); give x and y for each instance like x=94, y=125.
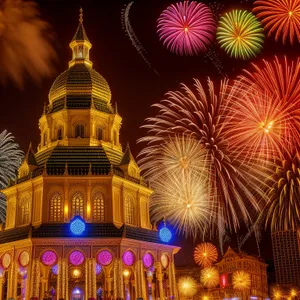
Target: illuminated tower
x=78, y=220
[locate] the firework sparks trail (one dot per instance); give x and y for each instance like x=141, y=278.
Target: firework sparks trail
x=25, y=46
x=132, y=36
x=10, y=161
x=236, y=189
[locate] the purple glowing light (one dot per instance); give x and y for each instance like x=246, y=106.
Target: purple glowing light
x=128, y=258
x=54, y=269
x=148, y=260
x=186, y=28
x=104, y=258
x=49, y=258
x=76, y=258
x=98, y=269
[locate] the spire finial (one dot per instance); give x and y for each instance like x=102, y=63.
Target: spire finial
x=81, y=15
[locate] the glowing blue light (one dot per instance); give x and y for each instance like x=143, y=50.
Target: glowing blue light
x=165, y=234
x=77, y=226
x=55, y=269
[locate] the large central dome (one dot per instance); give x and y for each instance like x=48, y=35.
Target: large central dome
x=80, y=84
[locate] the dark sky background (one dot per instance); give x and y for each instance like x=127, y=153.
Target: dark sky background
x=134, y=85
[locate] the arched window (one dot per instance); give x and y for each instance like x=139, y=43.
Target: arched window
x=98, y=207
x=56, y=208
x=99, y=134
x=79, y=131
x=129, y=211
x=59, y=133
x=25, y=211
x=77, y=207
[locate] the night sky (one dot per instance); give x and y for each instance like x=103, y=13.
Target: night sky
x=134, y=85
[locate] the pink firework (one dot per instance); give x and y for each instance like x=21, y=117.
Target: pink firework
x=186, y=28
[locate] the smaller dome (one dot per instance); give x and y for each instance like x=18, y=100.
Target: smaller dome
x=80, y=82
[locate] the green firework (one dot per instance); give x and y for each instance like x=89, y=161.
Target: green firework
x=240, y=34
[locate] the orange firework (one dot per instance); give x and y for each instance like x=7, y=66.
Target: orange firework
x=266, y=115
x=210, y=277
x=241, y=280
x=205, y=254
x=281, y=17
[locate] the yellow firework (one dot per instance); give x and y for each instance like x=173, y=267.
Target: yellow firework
x=205, y=254
x=241, y=280
x=210, y=277
x=187, y=286
x=179, y=155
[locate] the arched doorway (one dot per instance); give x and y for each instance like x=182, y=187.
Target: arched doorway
x=77, y=294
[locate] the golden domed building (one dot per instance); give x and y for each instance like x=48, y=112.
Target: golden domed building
x=78, y=224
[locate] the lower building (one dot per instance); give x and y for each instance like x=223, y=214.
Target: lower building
x=286, y=253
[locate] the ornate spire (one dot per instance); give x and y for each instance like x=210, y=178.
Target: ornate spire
x=80, y=44
x=81, y=15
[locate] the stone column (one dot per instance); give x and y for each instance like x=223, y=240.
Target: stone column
x=2, y=281
x=90, y=278
x=89, y=202
x=172, y=279
x=62, y=280
x=35, y=279
x=138, y=280
x=66, y=201
x=118, y=279
x=159, y=277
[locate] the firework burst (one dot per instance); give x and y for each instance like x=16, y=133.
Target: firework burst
x=187, y=286
x=240, y=34
x=241, y=280
x=235, y=189
x=210, y=277
x=274, y=90
x=10, y=161
x=283, y=208
x=186, y=28
x=184, y=202
x=205, y=254
x=280, y=17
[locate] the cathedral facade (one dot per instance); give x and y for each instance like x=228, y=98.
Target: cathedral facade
x=78, y=224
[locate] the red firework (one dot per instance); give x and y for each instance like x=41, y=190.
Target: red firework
x=281, y=17
x=186, y=28
x=268, y=113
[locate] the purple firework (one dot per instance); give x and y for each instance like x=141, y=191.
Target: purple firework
x=186, y=28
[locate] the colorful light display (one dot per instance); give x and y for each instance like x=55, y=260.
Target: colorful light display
x=165, y=234
x=232, y=199
x=76, y=258
x=186, y=28
x=148, y=260
x=280, y=17
x=77, y=226
x=49, y=258
x=128, y=258
x=240, y=34
x=104, y=258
